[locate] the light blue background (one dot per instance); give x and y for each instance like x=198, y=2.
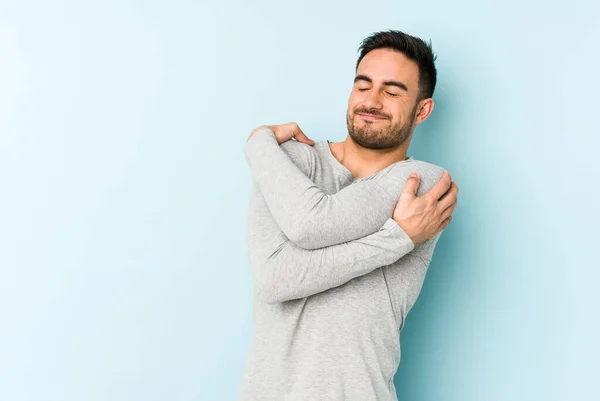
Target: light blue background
x=124, y=190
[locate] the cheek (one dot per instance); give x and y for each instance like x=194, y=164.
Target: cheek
x=352, y=103
x=398, y=116
x=356, y=99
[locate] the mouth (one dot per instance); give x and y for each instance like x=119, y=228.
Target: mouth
x=370, y=117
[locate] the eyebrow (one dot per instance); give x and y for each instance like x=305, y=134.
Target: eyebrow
x=386, y=83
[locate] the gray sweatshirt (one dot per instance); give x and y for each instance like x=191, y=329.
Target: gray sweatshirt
x=334, y=275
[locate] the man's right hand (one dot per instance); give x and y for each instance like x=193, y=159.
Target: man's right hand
x=422, y=217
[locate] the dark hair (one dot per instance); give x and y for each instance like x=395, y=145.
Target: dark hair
x=412, y=47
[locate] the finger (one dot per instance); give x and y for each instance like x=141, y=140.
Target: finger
x=441, y=187
x=449, y=197
x=448, y=211
x=444, y=224
x=301, y=137
x=411, y=186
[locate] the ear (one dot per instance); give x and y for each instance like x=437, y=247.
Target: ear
x=424, y=109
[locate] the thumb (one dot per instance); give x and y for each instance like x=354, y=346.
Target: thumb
x=301, y=137
x=412, y=185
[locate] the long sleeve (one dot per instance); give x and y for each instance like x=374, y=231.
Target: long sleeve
x=313, y=219
x=283, y=271
x=405, y=278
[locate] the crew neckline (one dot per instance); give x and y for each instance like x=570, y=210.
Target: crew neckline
x=344, y=170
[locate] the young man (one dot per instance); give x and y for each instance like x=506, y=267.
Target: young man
x=340, y=237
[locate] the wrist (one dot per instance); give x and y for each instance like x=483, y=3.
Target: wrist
x=273, y=128
x=404, y=232
x=255, y=130
x=409, y=233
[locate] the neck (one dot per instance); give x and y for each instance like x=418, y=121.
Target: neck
x=363, y=162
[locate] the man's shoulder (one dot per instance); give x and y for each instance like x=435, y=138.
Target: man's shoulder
x=429, y=169
x=429, y=173
x=304, y=156
x=294, y=147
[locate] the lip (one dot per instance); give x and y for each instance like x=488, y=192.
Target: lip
x=370, y=117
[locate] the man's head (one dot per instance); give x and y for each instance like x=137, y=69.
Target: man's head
x=394, y=82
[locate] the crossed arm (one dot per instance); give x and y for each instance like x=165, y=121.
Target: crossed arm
x=303, y=241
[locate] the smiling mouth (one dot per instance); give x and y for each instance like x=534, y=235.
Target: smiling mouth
x=371, y=117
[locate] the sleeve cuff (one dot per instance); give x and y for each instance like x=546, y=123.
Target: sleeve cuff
x=265, y=131
x=395, y=229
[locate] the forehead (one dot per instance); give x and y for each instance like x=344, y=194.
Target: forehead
x=389, y=65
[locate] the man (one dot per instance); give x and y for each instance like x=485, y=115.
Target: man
x=340, y=238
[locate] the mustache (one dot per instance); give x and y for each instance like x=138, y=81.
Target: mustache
x=373, y=112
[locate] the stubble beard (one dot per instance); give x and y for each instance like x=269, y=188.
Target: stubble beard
x=389, y=137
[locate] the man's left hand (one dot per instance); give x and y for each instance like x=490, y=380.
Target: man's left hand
x=285, y=132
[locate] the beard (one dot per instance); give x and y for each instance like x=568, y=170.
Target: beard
x=389, y=137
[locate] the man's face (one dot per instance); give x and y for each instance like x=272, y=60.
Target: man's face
x=383, y=103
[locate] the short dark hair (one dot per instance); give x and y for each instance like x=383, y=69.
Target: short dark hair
x=413, y=48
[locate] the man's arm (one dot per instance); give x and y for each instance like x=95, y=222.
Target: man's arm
x=283, y=271
x=405, y=278
x=312, y=219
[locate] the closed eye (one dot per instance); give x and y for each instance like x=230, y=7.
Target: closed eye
x=391, y=94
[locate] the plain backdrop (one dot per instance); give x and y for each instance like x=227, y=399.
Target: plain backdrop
x=124, y=190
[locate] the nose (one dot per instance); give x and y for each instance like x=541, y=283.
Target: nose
x=373, y=101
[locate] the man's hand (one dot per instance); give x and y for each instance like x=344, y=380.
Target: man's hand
x=285, y=132
x=422, y=217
